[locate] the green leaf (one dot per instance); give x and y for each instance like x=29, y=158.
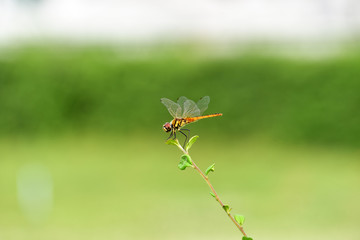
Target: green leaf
x=227, y=208
x=240, y=219
x=185, y=161
x=211, y=168
x=212, y=194
x=247, y=238
x=186, y=158
x=173, y=142
x=182, y=166
x=191, y=142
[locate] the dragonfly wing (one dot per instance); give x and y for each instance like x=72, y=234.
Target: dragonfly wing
x=203, y=103
x=181, y=100
x=190, y=109
x=174, y=108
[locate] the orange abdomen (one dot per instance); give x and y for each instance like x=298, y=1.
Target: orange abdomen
x=193, y=119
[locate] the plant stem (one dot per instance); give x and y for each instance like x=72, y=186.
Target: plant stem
x=213, y=190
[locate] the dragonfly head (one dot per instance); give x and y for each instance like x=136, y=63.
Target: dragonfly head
x=167, y=127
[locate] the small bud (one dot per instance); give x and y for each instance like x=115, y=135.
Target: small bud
x=185, y=161
x=240, y=219
x=227, y=208
x=211, y=168
x=247, y=238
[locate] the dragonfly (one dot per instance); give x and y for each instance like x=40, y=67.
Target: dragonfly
x=185, y=111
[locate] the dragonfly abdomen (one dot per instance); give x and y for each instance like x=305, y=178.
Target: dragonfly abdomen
x=177, y=123
x=193, y=119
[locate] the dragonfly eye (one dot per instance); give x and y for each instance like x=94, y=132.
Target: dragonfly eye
x=167, y=127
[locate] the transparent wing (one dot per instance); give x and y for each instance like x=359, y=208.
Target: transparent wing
x=203, y=103
x=181, y=100
x=190, y=109
x=174, y=108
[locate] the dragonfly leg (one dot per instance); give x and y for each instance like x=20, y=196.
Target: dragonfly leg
x=186, y=130
x=186, y=137
x=170, y=135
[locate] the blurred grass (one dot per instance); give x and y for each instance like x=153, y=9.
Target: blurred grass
x=286, y=149
x=61, y=88
x=108, y=187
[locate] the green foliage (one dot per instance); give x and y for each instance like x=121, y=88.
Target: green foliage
x=173, y=142
x=191, y=142
x=240, y=219
x=227, y=208
x=212, y=194
x=52, y=89
x=247, y=238
x=185, y=161
x=211, y=168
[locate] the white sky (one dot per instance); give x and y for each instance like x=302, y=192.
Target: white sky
x=151, y=20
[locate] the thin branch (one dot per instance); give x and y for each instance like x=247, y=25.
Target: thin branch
x=213, y=190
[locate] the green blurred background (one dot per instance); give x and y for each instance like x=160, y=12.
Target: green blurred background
x=83, y=154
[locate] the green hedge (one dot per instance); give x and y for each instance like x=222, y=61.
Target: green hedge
x=98, y=89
